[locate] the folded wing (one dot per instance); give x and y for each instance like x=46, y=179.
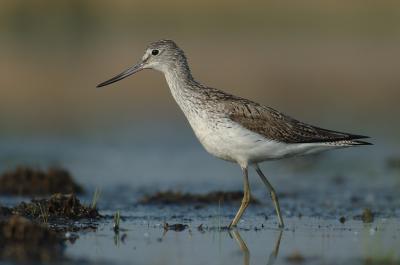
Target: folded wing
x=280, y=127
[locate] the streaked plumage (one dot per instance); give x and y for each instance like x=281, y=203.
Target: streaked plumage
x=234, y=128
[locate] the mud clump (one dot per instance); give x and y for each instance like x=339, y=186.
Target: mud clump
x=25, y=241
x=171, y=197
x=58, y=206
x=29, y=181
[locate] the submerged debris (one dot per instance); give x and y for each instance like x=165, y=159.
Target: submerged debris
x=22, y=240
x=200, y=228
x=389, y=259
x=338, y=180
x=367, y=216
x=393, y=163
x=65, y=206
x=171, y=197
x=30, y=181
x=295, y=257
x=4, y=211
x=342, y=219
x=175, y=227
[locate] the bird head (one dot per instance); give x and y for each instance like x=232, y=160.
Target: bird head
x=161, y=55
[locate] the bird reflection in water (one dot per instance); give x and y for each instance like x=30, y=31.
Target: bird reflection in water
x=245, y=250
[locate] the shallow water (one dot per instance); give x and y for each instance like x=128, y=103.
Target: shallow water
x=314, y=193
x=316, y=241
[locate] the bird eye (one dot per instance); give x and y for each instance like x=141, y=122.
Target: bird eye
x=154, y=52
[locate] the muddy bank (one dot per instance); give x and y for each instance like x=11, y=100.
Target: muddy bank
x=22, y=240
x=31, y=181
x=171, y=197
x=60, y=212
x=58, y=206
x=36, y=231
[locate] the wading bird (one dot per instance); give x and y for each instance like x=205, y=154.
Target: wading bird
x=233, y=128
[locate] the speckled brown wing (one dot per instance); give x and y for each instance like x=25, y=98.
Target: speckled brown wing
x=280, y=127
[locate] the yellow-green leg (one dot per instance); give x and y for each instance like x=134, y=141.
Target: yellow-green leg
x=272, y=192
x=245, y=200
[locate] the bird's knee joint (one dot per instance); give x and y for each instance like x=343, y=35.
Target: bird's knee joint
x=246, y=200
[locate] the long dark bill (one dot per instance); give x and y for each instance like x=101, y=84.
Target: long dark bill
x=130, y=71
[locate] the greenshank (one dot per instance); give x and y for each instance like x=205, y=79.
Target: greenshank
x=233, y=128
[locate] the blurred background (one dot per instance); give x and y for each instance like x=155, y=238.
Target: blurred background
x=334, y=64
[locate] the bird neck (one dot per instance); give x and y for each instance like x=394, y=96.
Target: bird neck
x=179, y=76
x=181, y=83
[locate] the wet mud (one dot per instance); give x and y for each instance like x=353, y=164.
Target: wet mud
x=60, y=212
x=179, y=198
x=22, y=240
x=37, y=231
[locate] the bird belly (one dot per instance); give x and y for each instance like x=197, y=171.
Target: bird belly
x=213, y=139
x=232, y=142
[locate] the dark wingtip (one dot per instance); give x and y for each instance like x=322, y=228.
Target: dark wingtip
x=362, y=143
x=356, y=136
